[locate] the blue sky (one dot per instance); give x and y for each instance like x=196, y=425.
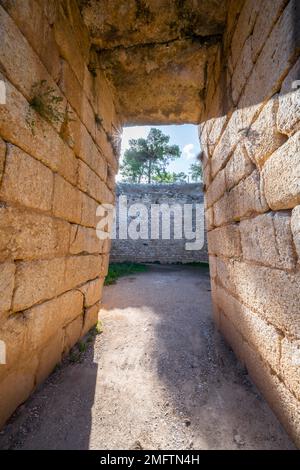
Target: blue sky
x=186, y=136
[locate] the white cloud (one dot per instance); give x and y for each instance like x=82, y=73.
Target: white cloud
x=189, y=152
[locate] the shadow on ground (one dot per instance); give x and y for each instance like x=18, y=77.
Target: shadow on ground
x=159, y=377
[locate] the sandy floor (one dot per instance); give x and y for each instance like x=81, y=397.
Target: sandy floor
x=158, y=377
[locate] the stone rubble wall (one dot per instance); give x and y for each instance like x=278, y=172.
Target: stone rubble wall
x=53, y=175
x=250, y=133
x=161, y=251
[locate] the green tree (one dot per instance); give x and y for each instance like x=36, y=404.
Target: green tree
x=196, y=172
x=170, y=177
x=147, y=159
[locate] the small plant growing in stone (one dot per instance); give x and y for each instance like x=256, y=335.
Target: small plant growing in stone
x=46, y=103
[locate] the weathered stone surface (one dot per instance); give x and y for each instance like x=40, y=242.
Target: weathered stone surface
x=38, y=280
x=72, y=333
x=45, y=320
x=267, y=16
x=7, y=276
x=238, y=167
x=276, y=58
x=13, y=333
x=87, y=150
x=126, y=23
x=16, y=387
x=290, y=364
x=25, y=235
x=84, y=240
x=242, y=201
x=243, y=28
x=92, y=291
x=26, y=181
x=90, y=183
x=43, y=143
x=234, y=133
x=267, y=239
x=225, y=241
x=283, y=403
x=273, y=293
x=49, y=357
x=90, y=318
x=2, y=157
x=281, y=176
x=295, y=224
x=209, y=218
x=67, y=200
x=216, y=189
x=288, y=116
x=88, y=211
x=242, y=70
x=262, y=138
x=27, y=15
x=80, y=269
x=261, y=335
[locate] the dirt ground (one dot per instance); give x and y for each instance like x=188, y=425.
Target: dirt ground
x=158, y=377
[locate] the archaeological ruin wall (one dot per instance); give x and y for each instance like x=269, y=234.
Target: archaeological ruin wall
x=148, y=249
x=250, y=133
x=58, y=158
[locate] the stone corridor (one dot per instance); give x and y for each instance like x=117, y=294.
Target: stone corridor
x=158, y=377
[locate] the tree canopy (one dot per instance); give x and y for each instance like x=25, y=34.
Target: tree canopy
x=196, y=172
x=147, y=159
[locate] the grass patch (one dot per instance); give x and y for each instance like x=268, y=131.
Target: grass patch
x=117, y=270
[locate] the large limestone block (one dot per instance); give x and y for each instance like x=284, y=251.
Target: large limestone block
x=26, y=181
x=25, y=235
x=92, y=291
x=46, y=320
x=267, y=239
x=295, y=224
x=216, y=189
x=38, y=280
x=87, y=150
x=281, y=400
x=49, y=356
x=90, y=183
x=242, y=70
x=90, y=318
x=16, y=387
x=82, y=268
x=225, y=241
x=2, y=157
x=234, y=133
x=27, y=15
x=42, y=142
x=67, y=200
x=261, y=335
x=273, y=293
x=263, y=137
x=72, y=333
x=244, y=200
x=290, y=364
x=238, y=167
x=243, y=28
x=88, y=211
x=85, y=240
x=7, y=277
x=13, y=333
x=288, y=116
x=275, y=59
x=281, y=176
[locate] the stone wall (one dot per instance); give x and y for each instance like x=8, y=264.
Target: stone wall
x=162, y=251
x=250, y=133
x=55, y=169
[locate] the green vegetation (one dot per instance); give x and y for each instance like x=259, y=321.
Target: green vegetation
x=147, y=159
x=117, y=270
x=196, y=172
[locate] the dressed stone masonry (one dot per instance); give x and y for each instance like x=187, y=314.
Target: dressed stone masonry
x=231, y=66
x=158, y=250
